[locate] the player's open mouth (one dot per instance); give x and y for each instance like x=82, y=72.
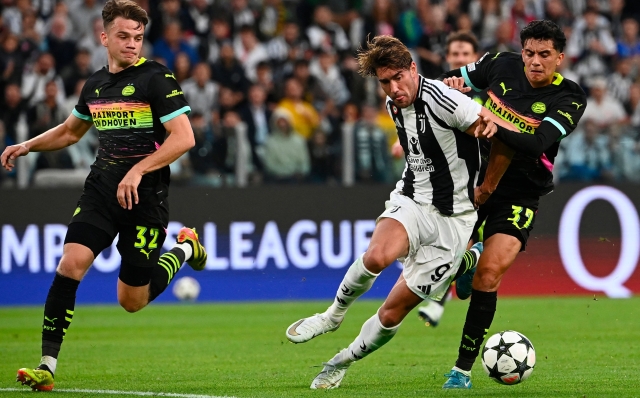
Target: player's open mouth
x=400, y=98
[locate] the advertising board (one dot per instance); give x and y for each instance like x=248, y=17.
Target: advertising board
x=295, y=242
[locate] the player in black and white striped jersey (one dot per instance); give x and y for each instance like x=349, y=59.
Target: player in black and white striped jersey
x=430, y=215
x=442, y=162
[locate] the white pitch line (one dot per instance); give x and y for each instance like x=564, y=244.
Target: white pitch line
x=115, y=392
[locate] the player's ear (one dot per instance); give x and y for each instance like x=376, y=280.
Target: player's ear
x=413, y=68
x=104, y=40
x=560, y=58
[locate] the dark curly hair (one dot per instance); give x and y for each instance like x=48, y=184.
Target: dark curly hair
x=544, y=30
x=383, y=52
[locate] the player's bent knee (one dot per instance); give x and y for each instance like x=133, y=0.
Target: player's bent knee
x=75, y=261
x=487, y=279
x=375, y=260
x=389, y=317
x=71, y=270
x=131, y=306
x=132, y=298
x=132, y=302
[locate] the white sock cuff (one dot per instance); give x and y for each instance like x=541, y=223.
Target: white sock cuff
x=51, y=363
x=186, y=248
x=464, y=372
x=385, y=330
x=362, y=270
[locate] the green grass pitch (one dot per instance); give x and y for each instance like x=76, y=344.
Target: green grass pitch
x=585, y=348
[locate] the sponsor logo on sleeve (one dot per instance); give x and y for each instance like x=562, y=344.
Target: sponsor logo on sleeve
x=174, y=93
x=481, y=58
x=567, y=115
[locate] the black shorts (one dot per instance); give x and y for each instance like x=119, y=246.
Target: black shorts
x=508, y=216
x=98, y=218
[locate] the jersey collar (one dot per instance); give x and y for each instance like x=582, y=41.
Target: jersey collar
x=141, y=61
x=557, y=78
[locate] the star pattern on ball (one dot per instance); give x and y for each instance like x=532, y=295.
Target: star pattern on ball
x=526, y=342
x=503, y=348
x=522, y=366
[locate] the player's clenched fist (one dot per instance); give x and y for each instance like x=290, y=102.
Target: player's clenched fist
x=480, y=196
x=11, y=153
x=486, y=129
x=456, y=83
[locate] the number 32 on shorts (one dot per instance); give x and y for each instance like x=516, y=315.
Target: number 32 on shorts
x=517, y=214
x=142, y=241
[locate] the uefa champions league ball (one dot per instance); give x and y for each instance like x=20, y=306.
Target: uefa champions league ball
x=186, y=289
x=508, y=357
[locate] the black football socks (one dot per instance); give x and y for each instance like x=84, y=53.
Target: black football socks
x=479, y=317
x=58, y=312
x=469, y=260
x=167, y=267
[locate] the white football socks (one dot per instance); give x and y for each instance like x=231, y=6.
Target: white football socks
x=186, y=248
x=372, y=336
x=357, y=281
x=51, y=363
x=464, y=372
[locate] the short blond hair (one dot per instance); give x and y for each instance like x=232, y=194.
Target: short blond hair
x=383, y=52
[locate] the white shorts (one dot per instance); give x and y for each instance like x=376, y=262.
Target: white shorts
x=436, y=244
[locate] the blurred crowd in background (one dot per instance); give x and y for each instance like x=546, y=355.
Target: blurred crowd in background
x=274, y=89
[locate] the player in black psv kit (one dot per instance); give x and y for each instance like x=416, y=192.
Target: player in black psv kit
x=525, y=90
x=134, y=104
x=545, y=116
x=128, y=109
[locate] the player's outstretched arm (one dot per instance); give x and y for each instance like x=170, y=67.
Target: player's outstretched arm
x=489, y=133
x=499, y=158
x=530, y=144
x=561, y=119
x=475, y=75
x=454, y=79
x=63, y=135
x=467, y=116
x=179, y=141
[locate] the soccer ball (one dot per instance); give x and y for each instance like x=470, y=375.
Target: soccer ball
x=508, y=357
x=186, y=289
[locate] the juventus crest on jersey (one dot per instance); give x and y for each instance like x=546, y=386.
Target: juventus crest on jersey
x=442, y=161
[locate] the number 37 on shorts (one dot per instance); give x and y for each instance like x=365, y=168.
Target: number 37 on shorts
x=522, y=217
